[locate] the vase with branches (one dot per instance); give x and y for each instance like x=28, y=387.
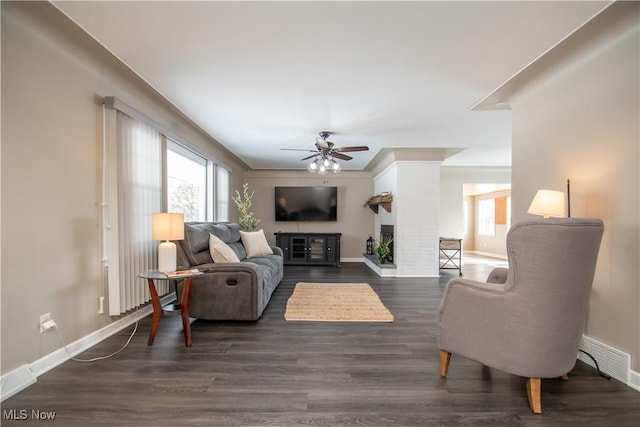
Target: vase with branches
x=247, y=220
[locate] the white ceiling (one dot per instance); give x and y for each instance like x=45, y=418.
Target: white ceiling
x=260, y=76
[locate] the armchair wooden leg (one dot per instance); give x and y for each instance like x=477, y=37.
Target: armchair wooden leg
x=533, y=393
x=565, y=377
x=445, y=358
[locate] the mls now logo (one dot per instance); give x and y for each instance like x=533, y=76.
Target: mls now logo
x=24, y=414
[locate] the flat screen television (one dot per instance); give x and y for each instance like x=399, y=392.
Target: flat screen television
x=306, y=203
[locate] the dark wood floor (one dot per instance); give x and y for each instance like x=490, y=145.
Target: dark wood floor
x=278, y=373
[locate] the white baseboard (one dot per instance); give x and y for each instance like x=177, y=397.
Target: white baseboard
x=16, y=380
x=611, y=361
x=351, y=259
x=487, y=254
x=634, y=380
x=26, y=375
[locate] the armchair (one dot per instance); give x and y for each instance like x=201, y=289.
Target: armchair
x=527, y=320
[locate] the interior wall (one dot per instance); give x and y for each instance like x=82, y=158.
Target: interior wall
x=355, y=221
x=53, y=76
x=579, y=120
x=452, y=179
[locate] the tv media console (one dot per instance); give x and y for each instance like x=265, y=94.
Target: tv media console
x=309, y=248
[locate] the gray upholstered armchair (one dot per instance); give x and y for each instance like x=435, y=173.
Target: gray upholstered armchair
x=527, y=320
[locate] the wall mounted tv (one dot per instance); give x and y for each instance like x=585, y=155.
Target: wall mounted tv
x=306, y=203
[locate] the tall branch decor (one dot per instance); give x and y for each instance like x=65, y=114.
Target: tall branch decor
x=243, y=201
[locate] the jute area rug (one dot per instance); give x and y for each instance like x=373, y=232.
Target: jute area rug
x=336, y=302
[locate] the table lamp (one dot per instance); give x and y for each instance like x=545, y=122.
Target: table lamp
x=548, y=203
x=167, y=227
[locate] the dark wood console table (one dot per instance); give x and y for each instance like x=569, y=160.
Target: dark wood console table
x=309, y=248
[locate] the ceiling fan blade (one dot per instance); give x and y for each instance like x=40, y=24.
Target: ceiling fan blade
x=310, y=157
x=341, y=156
x=297, y=149
x=347, y=149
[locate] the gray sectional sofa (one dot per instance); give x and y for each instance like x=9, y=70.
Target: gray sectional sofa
x=227, y=291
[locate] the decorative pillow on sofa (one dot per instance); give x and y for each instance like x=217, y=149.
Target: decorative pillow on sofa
x=220, y=251
x=255, y=243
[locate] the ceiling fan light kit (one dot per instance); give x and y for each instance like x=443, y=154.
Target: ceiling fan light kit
x=325, y=155
x=322, y=165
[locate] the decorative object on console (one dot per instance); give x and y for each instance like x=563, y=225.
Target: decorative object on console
x=548, y=203
x=370, y=243
x=243, y=201
x=325, y=155
x=167, y=227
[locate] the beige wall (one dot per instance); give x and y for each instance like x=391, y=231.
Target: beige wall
x=52, y=77
x=579, y=120
x=355, y=222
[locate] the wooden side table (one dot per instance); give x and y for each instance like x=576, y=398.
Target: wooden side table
x=185, y=297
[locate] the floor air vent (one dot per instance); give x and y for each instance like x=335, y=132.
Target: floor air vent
x=610, y=360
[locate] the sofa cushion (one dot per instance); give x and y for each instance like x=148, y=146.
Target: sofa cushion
x=229, y=233
x=255, y=243
x=222, y=232
x=220, y=251
x=196, y=242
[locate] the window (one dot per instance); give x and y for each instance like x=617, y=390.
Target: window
x=187, y=182
x=465, y=207
x=486, y=217
x=222, y=194
x=196, y=186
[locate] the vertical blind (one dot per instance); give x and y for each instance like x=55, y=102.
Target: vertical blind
x=133, y=178
x=139, y=195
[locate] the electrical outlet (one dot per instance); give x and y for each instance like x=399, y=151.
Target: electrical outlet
x=46, y=322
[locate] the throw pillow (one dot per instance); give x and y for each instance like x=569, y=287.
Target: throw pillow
x=220, y=251
x=255, y=243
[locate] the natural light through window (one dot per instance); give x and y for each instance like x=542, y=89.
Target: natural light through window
x=465, y=207
x=487, y=217
x=186, y=183
x=222, y=194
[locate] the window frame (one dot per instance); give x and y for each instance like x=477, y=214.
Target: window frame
x=213, y=194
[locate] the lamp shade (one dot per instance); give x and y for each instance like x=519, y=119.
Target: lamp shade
x=549, y=203
x=168, y=226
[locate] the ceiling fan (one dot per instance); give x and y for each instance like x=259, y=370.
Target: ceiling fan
x=325, y=154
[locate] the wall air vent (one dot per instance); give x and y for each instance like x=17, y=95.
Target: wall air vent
x=610, y=360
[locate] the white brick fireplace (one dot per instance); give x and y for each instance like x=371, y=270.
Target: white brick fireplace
x=415, y=186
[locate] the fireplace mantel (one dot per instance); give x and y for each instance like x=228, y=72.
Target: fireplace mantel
x=382, y=199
